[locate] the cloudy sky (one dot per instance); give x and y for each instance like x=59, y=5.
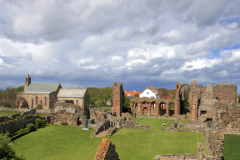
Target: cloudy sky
x=138, y=42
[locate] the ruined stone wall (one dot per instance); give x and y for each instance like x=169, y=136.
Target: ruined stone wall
x=101, y=127
x=106, y=151
x=117, y=98
x=176, y=157
x=65, y=112
x=225, y=93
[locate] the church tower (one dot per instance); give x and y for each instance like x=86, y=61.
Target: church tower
x=27, y=81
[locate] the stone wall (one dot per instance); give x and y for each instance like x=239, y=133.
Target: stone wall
x=106, y=151
x=65, y=112
x=176, y=157
x=101, y=127
x=24, y=110
x=118, y=98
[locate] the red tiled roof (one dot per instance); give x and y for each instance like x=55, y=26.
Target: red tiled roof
x=132, y=93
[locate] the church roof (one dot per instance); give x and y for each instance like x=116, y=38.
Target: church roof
x=70, y=93
x=42, y=87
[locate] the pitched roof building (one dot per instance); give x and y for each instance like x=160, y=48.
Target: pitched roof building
x=46, y=94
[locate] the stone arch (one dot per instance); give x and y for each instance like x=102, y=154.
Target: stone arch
x=171, y=110
x=177, y=97
x=161, y=108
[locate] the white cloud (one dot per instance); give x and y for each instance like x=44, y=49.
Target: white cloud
x=120, y=40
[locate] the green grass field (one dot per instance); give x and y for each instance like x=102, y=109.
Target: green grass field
x=8, y=113
x=231, y=147
x=156, y=124
x=70, y=142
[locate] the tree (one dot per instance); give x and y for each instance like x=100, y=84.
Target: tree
x=94, y=93
x=105, y=95
x=238, y=98
x=127, y=101
x=136, y=95
x=165, y=92
x=6, y=152
x=20, y=89
x=9, y=96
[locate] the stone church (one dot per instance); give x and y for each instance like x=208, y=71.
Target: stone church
x=47, y=94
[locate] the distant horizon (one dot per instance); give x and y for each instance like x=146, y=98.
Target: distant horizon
x=137, y=43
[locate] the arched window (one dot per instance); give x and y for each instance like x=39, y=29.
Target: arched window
x=36, y=100
x=45, y=101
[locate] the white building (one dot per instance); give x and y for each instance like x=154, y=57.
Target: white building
x=149, y=93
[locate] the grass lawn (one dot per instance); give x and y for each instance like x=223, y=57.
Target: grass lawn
x=156, y=124
x=8, y=113
x=70, y=142
x=231, y=147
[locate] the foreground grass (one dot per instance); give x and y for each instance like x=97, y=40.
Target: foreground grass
x=8, y=113
x=231, y=147
x=70, y=142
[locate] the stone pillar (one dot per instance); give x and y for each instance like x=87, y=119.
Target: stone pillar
x=167, y=111
x=177, y=107
x=149, y=106
x=140, y=108
x=157, y=109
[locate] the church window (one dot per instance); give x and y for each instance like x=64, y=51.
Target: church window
x=36, y=100
x=76, y=102
x=45, y=101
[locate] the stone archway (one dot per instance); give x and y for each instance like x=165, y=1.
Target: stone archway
x=177, y=97
x=194, y=96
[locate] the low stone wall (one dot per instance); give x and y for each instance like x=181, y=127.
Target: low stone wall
x=16, y=126
x=176, y=157
x=201, y=154
x=134, y=125
x=101, y=127
x=24, y=110
x=111, y=131
x=106, y=151
x=213, y=134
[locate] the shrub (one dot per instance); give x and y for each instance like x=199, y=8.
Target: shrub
x=30, y=127
x=39, y=106
x=44, y=122
x=38, y=122
x=20, y=131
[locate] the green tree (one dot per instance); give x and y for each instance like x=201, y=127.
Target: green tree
x=136, y=95
x=94, y=93
x=127, y=101
x=6, y=152
x=9, y=96
x=20, y=89
x=238, y=98
x=105, y=95
x=165, y=92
